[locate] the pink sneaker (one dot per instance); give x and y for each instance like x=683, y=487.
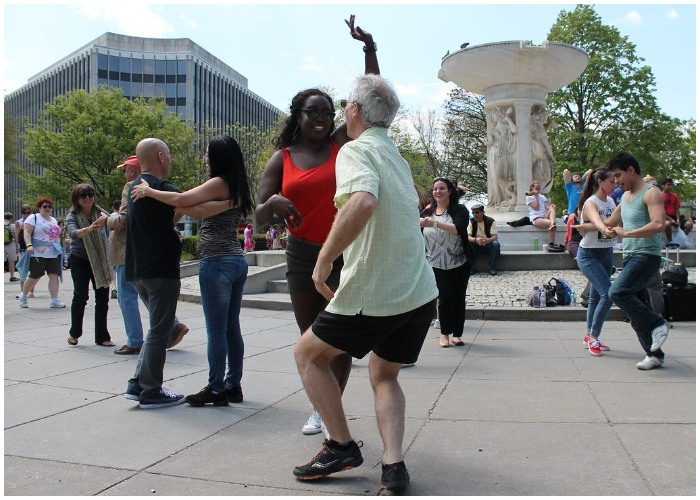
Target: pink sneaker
x=593, y=346
x=602, y=346
x=585, y=342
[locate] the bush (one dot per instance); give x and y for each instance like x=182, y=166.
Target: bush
x=189, y=245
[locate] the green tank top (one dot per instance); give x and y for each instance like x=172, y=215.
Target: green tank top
x=634, y=216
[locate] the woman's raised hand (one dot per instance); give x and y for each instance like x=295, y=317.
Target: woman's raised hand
x=286, y=211
x=357, y=33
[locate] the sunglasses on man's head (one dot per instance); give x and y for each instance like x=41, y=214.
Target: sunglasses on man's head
x=87, y=195
x=313, y=113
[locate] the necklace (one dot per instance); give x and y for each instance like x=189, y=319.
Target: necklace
x=440, y=215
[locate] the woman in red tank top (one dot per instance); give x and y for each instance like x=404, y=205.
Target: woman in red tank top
x=298, y=185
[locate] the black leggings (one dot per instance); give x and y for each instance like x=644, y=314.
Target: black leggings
x=452, y=286
x=81, y=273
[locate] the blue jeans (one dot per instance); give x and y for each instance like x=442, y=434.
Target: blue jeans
x=596, y=265
x=221, y=281
x=126, y=296
x=493, y=249
x=629, y=293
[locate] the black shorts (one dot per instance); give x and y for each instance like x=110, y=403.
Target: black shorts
x=397, y=339
x=301, y=260
x=39, y=265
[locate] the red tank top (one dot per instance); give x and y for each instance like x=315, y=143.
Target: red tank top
x=312, y=192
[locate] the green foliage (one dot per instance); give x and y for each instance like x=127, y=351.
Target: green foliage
x=611, y=108
x=11, y=145
x=82, y=137
x=189, y=245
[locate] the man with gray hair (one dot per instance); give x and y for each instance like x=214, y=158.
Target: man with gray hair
x=387, y=292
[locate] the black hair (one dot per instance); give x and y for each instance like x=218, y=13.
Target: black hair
x=599, y=174
x=666, y=180
x=290, y=133
x=226, y=161
x=623, y=161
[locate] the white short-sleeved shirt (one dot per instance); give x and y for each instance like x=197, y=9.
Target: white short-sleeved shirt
x=45, y=232
x=536, y=214
x=593, y=239
x=385, y=271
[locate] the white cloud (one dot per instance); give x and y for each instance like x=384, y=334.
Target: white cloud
x=672, y=14
x=407, y=90
x=192, y=24
x=309, y=59
x=633, y=17
x=136, y=20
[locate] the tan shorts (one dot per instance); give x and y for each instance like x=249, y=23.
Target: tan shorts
x=11, y=251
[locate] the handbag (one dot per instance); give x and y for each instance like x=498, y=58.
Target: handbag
x=674, y=273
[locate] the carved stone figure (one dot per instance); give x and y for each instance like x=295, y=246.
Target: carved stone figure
x=542, y=156
x=501, y=143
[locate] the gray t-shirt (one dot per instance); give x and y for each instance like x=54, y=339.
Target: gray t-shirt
x=443, y=250
x=218, y=235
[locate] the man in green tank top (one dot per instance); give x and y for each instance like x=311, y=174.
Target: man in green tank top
x=639, y=221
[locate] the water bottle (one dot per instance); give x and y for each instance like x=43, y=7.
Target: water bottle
x=536, y=297
x=573, y=298
x=537, y=244
x=543, y=298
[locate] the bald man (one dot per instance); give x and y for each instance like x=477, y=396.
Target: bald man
x=152, y=263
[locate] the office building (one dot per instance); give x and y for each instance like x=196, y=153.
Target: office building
x=196, y=85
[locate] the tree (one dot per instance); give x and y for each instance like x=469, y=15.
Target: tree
x=610, y=107
x=11, y=146
x=82, y=137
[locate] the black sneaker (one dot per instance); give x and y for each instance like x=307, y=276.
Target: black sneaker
x=162, y=399
x=329, y=460
x=395, y=477
x=234, y=394
x=206, y=396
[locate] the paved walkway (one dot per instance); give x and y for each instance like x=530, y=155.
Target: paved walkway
x=522, y=409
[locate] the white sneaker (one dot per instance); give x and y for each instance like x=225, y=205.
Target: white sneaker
x=56, y=304
x=23, y=301
x=313, y=424
x=658, y=336
x=649, y=363
x=437, y=324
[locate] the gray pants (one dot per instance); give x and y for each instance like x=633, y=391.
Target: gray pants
x=160, y=296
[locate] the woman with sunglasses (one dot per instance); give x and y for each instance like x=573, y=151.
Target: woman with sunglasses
x=88, y=263
x=223, y=269
x=450, y=255
x=298, y=186
x=42, y=237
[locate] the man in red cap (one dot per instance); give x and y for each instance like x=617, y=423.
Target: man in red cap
x=126, y=291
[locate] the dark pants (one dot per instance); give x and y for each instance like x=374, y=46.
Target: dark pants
x=493, y=250
x=452, y=287
x=160, y=296
x=81, y=272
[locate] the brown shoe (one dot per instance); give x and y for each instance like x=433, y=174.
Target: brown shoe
x=125, y=349
x=176, y=336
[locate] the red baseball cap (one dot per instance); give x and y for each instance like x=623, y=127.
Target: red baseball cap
x=132, y=161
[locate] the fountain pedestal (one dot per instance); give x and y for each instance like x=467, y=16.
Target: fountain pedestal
x=514, y=78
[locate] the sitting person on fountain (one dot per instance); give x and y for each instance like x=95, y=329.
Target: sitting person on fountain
x=543, y=216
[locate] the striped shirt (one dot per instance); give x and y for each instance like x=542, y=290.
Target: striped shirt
x=218, y=235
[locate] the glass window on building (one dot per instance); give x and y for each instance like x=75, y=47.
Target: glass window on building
x=160, y=67
x=181, y=89
x=171, y=67
x=148, y=77
x=102, y=67
x=114, y=63
x=113, y=83
x=160, y=90
x=149, y=90
x=182, y=67
x=149, y=67
x=136, y=89
x=125, y=65
x=126, y=88
x=101, y=81
x=171, y=90
x=160, y=78
x=136, y=77
x=171, y=110
x=181, y=112
x=137, y=66
x=170, y=101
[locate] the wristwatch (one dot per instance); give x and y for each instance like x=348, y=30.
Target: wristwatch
x=368, y=49
x=435, y=223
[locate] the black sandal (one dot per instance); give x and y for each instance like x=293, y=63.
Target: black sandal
x=72, y=340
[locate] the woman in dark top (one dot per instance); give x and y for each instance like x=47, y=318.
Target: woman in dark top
x=445, y=233
x=222, y=267
x=88, y=263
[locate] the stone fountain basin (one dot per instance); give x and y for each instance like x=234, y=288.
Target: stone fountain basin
x=477, y=69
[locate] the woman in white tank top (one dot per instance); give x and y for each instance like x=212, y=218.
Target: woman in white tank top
x=595, y=253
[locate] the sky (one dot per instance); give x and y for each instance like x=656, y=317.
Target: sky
x=284, y=48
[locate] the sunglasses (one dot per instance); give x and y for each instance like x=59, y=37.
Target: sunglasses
x=87, y=195
x=344, y=103
x=313, y=113
x=26, y=213
x=47, y=206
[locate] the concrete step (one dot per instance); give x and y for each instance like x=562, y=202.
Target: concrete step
x=277, y=286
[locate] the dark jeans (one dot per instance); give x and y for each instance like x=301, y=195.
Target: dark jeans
x=82, y=275
x=160, y=296
x=452, y=288
x=629, y=293
x=493, y=250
